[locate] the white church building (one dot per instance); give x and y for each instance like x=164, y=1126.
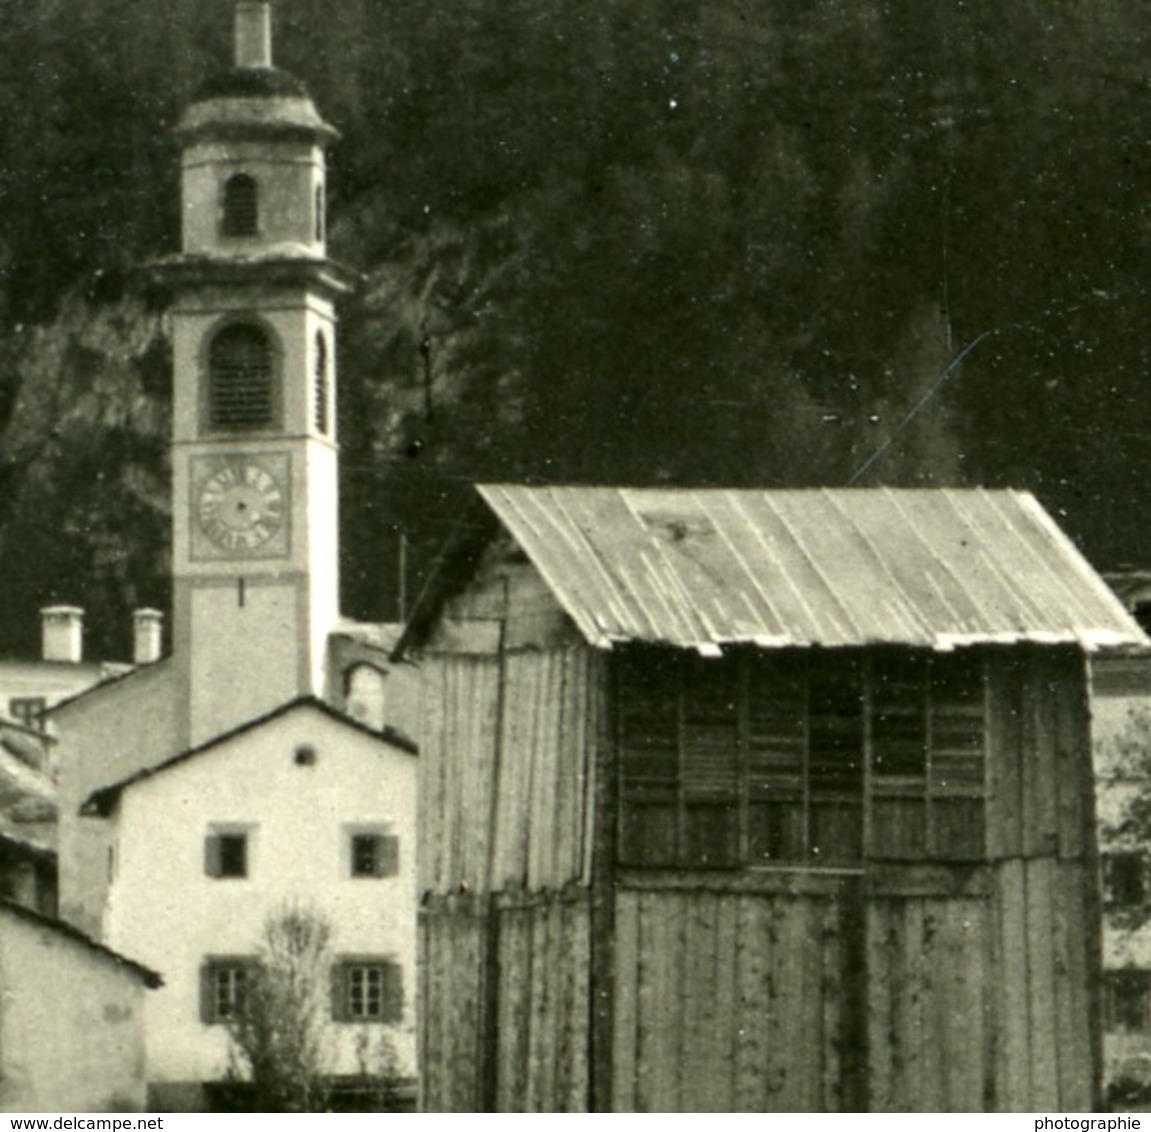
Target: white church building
x=203, y=791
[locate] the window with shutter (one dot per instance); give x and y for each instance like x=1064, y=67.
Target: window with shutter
x=1124, y=879
x=367, y=989
x=241, y=210
x=241, y=387
x=224, y=980
x=226, y=854
x=374, y=854
x=319, y=209
x=1127, y=1001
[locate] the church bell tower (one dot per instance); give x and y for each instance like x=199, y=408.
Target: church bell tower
x=254, y=457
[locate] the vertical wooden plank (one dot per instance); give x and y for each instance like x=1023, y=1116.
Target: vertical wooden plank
x=783, y=1090
x=429, y=771
x=810, y=1007
x=428, y=1039
x=625, y=1006
x=705, y=1059
x=515, y=959
x=727, y=1019
x=751, y=1008
x=832, y=992
x=883, y=1040
x=1074, y=772
x=1039, y=768
x=660, y=1015
x=959, y=1005
x=909, y=1010
x=596, y=864
x=1005, y=805
x=1044, y=1034
x=1013, y=1082
x=1074, y=929
x=582, y=1016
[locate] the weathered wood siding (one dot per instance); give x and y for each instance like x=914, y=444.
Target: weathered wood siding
x=506, y=771
x=505, y=987
x=891, y=985
x=732, y=1002
x=946, y=987
x=507, y=799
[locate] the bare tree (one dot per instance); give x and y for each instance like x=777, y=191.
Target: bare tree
x=279, y=1034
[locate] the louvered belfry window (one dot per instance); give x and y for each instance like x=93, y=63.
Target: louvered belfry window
x=241, y=381
x=321, y=385
x=241, y=206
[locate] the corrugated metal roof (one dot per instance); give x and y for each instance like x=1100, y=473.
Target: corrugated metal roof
x=835, y=567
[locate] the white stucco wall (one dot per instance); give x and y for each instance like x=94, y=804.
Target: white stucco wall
x=71, y=1024
x=104, y=737
x=172, y=915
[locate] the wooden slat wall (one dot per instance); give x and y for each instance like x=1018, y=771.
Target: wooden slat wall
x=505, y=801
x=1047, y=1059
x=458, y=744
x=543, y=1006
x=972, y=996
x=453, y=958
x=1040, y=765
x=928, y=1003
x=727, y=1002
x=526, y=1048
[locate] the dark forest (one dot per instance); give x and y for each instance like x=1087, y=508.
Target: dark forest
x=722, y=242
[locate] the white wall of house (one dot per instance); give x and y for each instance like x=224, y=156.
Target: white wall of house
x=71, y=1023
x=104, y=737
x=1121, y=736
x=298, y=812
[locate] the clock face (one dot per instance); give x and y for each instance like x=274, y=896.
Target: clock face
x=241, y=505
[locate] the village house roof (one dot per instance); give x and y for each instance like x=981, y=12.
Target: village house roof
x=103, y=801
x=149, y=977
x=705, y=568
x=27, y=803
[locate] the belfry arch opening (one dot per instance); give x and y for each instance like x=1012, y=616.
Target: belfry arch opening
x=241, y=379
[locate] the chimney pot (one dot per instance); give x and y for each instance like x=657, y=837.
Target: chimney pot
x=147, y=636
x=62, y=633
x=253, y=33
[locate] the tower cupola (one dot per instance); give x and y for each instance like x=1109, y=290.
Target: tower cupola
x=253, y=156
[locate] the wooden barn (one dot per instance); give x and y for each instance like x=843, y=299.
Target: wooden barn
x=759, y=800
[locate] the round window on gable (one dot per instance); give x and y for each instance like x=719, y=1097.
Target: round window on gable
x=240, y=378
x=305, y=755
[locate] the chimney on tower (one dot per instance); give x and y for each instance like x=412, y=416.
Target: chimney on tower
x=147, y=636
x=253, y=33
x=62, y=634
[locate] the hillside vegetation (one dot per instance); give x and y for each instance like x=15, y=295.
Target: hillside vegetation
x=648, y=241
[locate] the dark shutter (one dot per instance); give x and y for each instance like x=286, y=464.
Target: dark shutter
x=212, y=856
x=393, y=993
x=340, y=992
x=207, y=997
x=389, y=856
